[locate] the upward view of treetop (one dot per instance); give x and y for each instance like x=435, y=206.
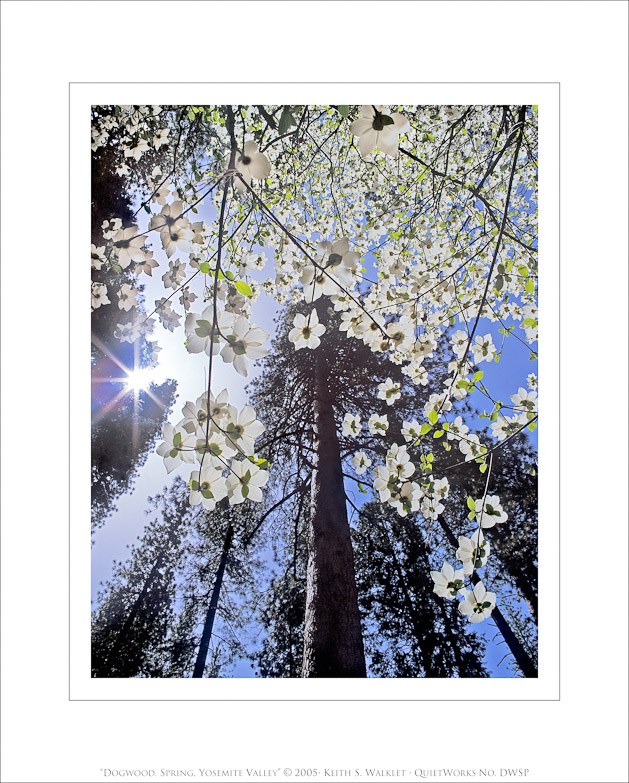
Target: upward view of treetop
x=384, y=452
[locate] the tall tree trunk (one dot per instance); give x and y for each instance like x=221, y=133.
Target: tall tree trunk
x=199, y=665
x=333, y=643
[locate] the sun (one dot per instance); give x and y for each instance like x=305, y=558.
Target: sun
x=139, y=379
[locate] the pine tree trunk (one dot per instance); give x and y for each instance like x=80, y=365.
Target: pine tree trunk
x=333, y=644
x=199, y=665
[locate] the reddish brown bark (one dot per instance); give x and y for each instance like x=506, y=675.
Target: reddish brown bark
x=333, y=643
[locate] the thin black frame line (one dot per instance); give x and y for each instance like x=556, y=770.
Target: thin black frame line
x=559, y=381
x=345, y=1
x=249, y=701
x=559, y=683
x=70, y=396
x=321, y=82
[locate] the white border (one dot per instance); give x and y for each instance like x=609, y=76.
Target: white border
x=582, y=45
x=546, y=686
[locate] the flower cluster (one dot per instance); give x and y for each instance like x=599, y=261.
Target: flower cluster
x=222, y=440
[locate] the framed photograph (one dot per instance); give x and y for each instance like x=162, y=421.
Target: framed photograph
x=314, y=359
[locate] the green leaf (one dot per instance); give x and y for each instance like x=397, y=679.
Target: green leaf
x=529, y=286
x=530, y=322
x=203, y=328
x=229, y=275
x=500, y=281
x=438, y=434
x=286, y=121
x=471, y=504
x=433, y=416
x=361, y=488
x=147, y=209
x=523, y=270
x=425, y=428
x=532, y=426
x=262, y=463
x=478, y=376
x=204, y=267
x=344, y=111
x=483, y=467
x=243, y=288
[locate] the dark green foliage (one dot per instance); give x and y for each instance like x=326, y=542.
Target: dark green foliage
x=283, y=621
x=135, y=611
x=282, y=612
x=409, y=632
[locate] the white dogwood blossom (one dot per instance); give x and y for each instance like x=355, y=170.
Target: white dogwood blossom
x=378, y=129
x=389, y=391
x=128, y=246
x=473, y=552
x=478, y=603
x=244, y=342
x=251, y=164
x=99, y=295
x=127, y=297
x=361, y=462
x=351, y=425
x=178, y=447
x=378, y=425
x=307, y=331
x=245, y=481
x=490, y=512
x=207, y=487
x=448, y=582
